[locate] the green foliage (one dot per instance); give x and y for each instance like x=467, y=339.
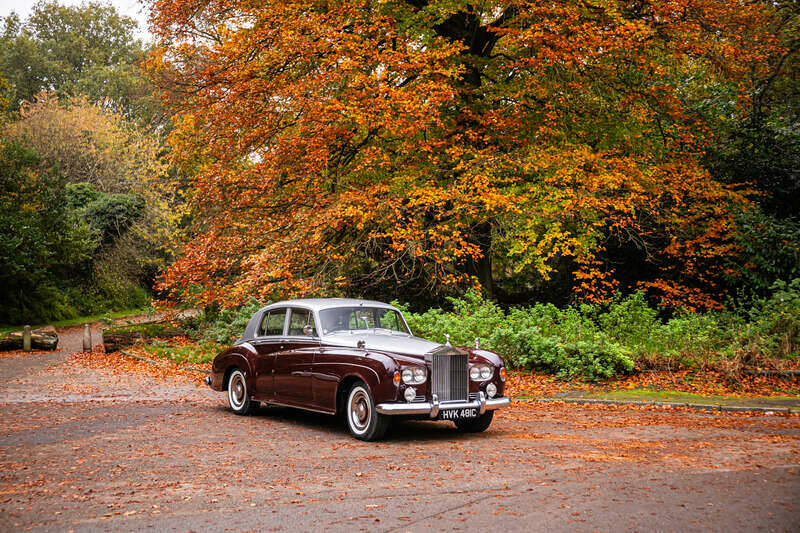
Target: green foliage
x=594, y=342
x=88, y=49
x=148, y=329
x=43, y=243
x=590, y=360
x=472, y=316
x=777, y=318
x=226, y=325
x=770, y=251
x=63, y=245
x=112, y=214
x=108, y=214
x=81, y=194
x=199, y=353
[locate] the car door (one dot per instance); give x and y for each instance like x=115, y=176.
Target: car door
x=293, y=362
x=269, y=340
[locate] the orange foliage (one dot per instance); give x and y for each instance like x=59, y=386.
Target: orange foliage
x=339, y=146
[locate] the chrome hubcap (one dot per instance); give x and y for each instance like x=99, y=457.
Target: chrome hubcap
x=236, y=391
x=359, y=410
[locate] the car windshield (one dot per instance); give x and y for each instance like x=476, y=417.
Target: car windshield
x=347, y=319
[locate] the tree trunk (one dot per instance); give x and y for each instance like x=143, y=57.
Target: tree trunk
x=115, y=340
x=41, y=339
x=481, y=268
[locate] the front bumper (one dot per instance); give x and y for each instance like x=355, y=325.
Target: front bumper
x=432, y=408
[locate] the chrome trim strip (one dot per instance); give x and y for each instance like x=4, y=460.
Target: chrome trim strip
x=432, y=408
x=293, y=406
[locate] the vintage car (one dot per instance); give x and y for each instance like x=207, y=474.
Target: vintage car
x=359, y=359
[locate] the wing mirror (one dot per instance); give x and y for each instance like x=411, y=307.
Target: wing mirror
x=308, y=330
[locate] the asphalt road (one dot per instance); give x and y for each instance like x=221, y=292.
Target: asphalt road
x=89, y=450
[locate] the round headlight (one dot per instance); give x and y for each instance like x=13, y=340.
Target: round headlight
x=419, y=375
x=410, y=394
x=474, y=373
x=491, y=390
x=486, y=372
x=408, y=375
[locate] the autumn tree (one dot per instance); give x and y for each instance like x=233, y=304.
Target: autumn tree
x=424, y=146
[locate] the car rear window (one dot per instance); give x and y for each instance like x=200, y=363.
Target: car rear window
x=272, y=323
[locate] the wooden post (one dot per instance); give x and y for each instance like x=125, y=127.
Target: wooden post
x=26, y=339
x=87, y=338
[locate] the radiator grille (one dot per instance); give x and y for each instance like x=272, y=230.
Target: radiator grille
x=449, y=377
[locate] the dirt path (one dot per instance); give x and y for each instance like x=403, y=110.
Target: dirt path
x=92, y=450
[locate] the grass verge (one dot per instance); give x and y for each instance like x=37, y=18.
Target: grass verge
x=688, y=397
x=78, y=321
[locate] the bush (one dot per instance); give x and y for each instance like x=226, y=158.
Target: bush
x=528, y=348
x=226, y=325
x=564, y=342
x=597, y=343
x=472, y=317
x=777, y=318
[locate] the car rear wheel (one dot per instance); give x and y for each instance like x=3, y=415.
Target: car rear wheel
x=363, y=421
x=238, y=396
x=475, y=425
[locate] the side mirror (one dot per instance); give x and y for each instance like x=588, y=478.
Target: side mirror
x=308, y=330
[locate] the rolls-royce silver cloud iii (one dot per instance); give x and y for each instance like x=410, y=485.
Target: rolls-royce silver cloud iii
x=359, y=359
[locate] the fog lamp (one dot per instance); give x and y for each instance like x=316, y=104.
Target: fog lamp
x=410, y=394
x=491, y=390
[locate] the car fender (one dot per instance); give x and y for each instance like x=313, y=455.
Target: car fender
x=241, y=357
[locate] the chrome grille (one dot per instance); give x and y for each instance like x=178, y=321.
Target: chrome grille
x=449, y=377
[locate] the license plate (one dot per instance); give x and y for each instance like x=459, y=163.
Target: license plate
x=458, y=414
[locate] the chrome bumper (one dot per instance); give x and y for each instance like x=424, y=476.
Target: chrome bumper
x=432, y=408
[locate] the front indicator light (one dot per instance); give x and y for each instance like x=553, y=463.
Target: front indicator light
x=503, y=374
x=396, y=378
x=491, y=390
x=410, y=394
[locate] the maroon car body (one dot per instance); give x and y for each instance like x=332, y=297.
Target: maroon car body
x=357, y=358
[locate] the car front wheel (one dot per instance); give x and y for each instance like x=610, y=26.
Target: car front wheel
x=363, y=421
x=475, y=425
x=238, y=396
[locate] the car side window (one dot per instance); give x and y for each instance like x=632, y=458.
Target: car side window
x=272, y=322
x=299, y=319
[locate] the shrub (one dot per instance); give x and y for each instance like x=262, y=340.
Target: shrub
x=471, y=317
x=564, y=342
x=777, y=318
x=528, y=348
x=227, y=325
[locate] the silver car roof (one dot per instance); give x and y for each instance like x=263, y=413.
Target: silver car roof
x=317, y=304
x=314, y=304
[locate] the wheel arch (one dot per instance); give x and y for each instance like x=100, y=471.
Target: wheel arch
x=228, y=361
x=347, y=382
